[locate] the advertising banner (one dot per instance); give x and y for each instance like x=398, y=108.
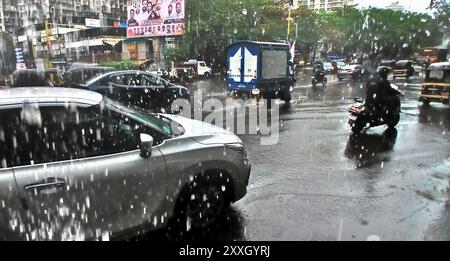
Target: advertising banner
x=92, y=22
x=149, y=18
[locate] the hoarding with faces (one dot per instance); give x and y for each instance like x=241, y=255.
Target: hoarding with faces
x=149, y=18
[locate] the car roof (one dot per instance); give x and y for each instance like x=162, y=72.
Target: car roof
x=439, y=66
x=11, y=96
x=125, y=71
x=352, y=65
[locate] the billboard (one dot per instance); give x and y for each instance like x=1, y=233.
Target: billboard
x=149, y=18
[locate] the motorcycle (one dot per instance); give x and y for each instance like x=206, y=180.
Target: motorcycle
x=363, y=117
x=319, y=77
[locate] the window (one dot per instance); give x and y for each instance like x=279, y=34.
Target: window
x=151, y=80
x=33, y=135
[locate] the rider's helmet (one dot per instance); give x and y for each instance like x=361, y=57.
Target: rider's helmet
x=383, y=72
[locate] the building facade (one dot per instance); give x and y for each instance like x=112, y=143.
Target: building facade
x=327, y=5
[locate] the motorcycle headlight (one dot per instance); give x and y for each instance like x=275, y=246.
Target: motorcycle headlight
x=255, y=91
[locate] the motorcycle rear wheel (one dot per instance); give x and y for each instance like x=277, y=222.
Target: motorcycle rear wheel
x=394, y=121
x=357, y=126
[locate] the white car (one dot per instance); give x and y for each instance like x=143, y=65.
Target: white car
x=76, y=165
x=328, y=67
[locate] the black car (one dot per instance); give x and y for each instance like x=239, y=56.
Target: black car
x=37, y=78
x=138, y=88
x=80, y=75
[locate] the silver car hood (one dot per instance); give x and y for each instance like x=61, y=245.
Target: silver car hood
x=203, y=132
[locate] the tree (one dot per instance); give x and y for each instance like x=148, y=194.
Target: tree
x=212, y=25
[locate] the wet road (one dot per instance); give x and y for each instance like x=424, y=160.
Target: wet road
x=319, y=182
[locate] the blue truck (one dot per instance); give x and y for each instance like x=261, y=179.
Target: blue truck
x=260, y=69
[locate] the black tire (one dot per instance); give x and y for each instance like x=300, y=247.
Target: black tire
x=340, y=79
x=287, y=96
x=206, y=75
x=201, y=203
x=394, y=121
x=313, y=83
x=425, y=102
x=358, y=126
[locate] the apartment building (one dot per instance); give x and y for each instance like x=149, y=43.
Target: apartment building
x=327, y=5
x=8, y=14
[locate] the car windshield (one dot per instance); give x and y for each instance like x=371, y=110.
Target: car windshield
x=94, y=79
x=140, y=115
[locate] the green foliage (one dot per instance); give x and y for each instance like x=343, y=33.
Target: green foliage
x=122, y=65
x=382, y=34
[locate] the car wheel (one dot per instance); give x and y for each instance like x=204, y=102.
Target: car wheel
x=340, y=79
x=201, y=204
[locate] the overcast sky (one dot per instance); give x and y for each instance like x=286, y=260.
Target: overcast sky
x=410, y=5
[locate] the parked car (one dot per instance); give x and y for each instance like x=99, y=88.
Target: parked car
x=77, y=165
x=80, y=75
x=35, y=77
x=138, y=88
x=356, y=72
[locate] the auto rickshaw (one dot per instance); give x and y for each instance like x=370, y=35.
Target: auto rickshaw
x=436, y=86
x=403, y=69
x=390, y=64
x=37, y=78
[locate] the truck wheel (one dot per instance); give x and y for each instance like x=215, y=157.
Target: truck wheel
x=206, y=75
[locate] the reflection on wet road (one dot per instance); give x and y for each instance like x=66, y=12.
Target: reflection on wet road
x=320, y=182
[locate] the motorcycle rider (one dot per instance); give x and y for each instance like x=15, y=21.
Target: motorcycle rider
x=319, y=73
x=379, y=92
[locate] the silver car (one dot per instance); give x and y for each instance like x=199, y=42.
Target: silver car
x=75, y=165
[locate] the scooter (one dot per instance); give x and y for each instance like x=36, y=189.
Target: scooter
x=319, y=77
x=363, y=117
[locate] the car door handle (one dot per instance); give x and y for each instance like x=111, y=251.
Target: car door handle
x=46, y=184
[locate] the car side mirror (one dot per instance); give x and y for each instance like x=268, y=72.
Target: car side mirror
x=146, y=145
